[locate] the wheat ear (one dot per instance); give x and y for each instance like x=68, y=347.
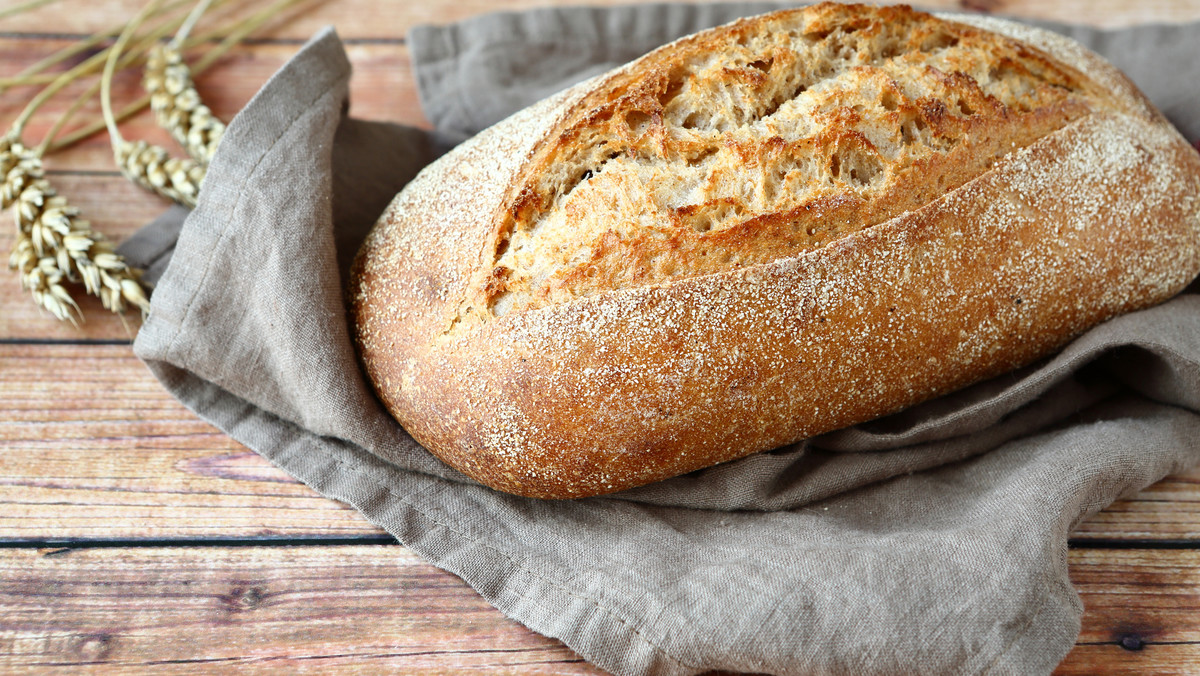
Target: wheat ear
x=174, y=99
x=177, y=105
x=55, y=245
x=147, y=165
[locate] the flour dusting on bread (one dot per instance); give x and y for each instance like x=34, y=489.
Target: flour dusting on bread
x=797, y=132
x=811, y=219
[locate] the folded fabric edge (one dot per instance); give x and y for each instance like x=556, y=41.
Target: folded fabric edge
x=1038, y=647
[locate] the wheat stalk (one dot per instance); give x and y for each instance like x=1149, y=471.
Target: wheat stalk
x=236, y=34
x=149, y=166
x=24, y=7
x=54, y=244
x=177, y=105
x=34, y=75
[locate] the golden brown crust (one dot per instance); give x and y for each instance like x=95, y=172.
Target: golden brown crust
x=730, y=148
x=1096, y=216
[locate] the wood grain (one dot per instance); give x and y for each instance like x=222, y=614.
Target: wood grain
x=1141, y=612
x=381, y=88
x=256, y=610
x=92, y=447
x=326, y=609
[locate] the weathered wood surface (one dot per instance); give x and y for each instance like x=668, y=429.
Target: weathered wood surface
x=256, y=610
x=319, y=608
x=91, y=446
x=1141, y=612
x=382, y=88
x=92, y=449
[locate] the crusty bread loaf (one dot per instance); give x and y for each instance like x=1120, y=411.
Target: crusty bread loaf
x=762, y=232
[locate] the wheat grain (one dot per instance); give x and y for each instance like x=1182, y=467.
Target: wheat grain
x=153, y=168
x=54, y=244
x=177, y=105
x=42, y=277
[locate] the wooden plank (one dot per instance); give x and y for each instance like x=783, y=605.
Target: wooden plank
x=1112, y=659
x=371, y=19
x=92, y=447
x=1170, y=509
x=1152, y=595
x=1141, y=612
x=382, y=88
x=339, y=608
x=256, y=610
x=133, y=463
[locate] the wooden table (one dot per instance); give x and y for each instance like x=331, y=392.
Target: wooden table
x=134, y=535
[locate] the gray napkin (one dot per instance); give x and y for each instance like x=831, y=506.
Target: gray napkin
x=932, y=541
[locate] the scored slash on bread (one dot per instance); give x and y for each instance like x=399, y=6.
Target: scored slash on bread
x=762, y=232
x=767, y=140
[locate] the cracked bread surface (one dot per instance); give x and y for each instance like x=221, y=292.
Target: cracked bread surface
x=762, y=232
x=797, y=131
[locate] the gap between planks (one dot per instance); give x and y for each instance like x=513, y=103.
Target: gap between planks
x=316, y=608
x=136, y=464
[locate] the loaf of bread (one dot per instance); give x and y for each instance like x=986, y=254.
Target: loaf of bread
x=762, y=232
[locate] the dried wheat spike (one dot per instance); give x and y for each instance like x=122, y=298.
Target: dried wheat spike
x=177, y=105
x=42, y=277
x=54, y=244
x=154, y=169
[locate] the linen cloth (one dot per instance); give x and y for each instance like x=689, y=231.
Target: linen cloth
x=931, y=541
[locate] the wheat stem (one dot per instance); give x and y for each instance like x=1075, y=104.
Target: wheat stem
x=63, y=79
x=190, y=23
x=44, y=147
x=110, y=64
x=147, y=165
x=25, y=7
x=238, y=33
x=126, y=60
x=47, y=146
x=30, y=76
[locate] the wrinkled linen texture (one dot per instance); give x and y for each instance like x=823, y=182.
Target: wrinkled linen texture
x=931, y=541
